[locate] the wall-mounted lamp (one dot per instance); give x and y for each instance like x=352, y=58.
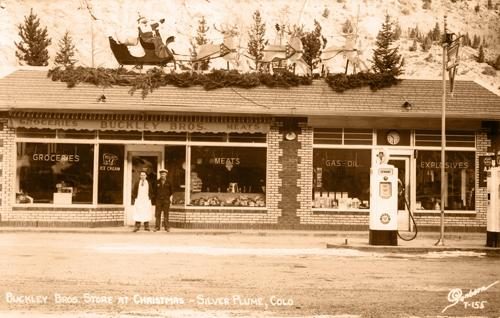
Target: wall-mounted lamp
x=101, y=99
x=290, y=136
x=407, y=105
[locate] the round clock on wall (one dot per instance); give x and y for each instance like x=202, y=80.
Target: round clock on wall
x=393, y=137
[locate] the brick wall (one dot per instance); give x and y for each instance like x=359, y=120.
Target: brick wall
x=7, y=168
x=63, y=216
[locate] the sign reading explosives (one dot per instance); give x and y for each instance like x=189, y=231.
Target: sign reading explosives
x=141, y=125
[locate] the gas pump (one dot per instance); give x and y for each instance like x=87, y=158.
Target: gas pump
x=383, y=202
x=493, y=212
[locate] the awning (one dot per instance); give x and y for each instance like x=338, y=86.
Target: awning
x=139, y=122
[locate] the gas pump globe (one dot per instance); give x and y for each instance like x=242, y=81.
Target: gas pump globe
x=383, y=202
x=493, y=212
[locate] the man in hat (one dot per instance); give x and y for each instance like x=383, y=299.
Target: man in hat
x=163, y=195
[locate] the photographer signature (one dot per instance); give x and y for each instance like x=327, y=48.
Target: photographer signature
x=456, y=296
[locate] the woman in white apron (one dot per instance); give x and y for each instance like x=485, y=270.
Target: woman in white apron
x=142, y=195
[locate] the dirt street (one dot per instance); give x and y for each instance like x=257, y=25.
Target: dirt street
x=190, y=275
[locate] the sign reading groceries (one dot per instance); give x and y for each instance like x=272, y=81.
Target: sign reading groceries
x=140, y=125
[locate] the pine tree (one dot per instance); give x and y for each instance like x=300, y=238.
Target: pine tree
x=34, y=42
x=386, y=59
x=66, y=52
x=436, y=33
x=497, y=63
x=466, y=40
x=200, y=39
x=311, y=42
x=413, y=47
x=490, y=5
x=427, y=43
x=347, y=27
x=397, y=32
x=257, y=42
x=480, y=57
x=476, y=42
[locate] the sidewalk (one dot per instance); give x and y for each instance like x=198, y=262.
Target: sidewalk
x=423, y=243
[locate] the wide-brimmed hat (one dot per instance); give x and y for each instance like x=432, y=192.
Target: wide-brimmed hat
x=163, y=170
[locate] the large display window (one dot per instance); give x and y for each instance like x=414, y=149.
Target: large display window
x=110, y=178
x=55, y=173
x=459, y=180
x=228, y=176
x=341, y=178
x=175, y=162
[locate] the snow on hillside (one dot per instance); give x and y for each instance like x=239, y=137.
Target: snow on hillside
x=119, y=17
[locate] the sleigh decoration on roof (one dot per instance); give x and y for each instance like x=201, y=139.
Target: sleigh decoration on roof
x=149, y=38
x=287, y=54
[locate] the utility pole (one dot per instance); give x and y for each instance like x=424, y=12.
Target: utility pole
x=451, y=46
x=440, y=242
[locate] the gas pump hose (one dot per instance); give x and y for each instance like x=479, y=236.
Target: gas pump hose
x=412, y=219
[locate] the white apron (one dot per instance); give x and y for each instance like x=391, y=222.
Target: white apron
x=142, y=205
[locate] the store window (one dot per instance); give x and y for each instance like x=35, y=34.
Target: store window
x=459, y=180
x=55, y=173
x=175, y=162
x=110, y=179
x=228, y=176
x=341, y=179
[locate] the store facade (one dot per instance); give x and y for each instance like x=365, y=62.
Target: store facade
x=294, y=158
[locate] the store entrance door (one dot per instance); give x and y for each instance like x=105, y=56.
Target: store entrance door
x=403, y=165
x=138, y=161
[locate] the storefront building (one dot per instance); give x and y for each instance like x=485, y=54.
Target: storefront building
x=296, y=158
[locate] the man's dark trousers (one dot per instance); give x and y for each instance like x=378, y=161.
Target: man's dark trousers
x=163, y=193
x=162, y=206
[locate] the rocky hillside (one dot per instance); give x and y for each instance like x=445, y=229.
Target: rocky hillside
x=181, y=20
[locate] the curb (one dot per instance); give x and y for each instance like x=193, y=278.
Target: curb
x=178, y=231
x=489, y=251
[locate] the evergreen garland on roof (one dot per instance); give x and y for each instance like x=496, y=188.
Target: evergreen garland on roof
x=155, y=78
x=343, y=82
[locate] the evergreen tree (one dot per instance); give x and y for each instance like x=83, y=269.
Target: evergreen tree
x=34, y=42
x=66, y=51
x=427, y=43
x=497, y=63
x=427, y=4
x=480, y=57
x=490, y=5
x=436, y=33
x=476, y=42
x=413, y=34
x=466, y=40
x=347, y=27
x=256, y=43
x=386, y=59
x=397, y=32
x=413, y=47
x=200, y=39
x=311, y=42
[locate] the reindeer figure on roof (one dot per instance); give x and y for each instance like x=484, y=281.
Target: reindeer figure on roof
x=281, y=56
x=349, y=49
x=228, y=49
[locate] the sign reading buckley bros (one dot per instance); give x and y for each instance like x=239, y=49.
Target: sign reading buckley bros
x=140, y=125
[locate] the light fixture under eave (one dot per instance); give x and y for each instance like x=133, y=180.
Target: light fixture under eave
x=290, y=135
x=407, y=105
x=101, y=99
